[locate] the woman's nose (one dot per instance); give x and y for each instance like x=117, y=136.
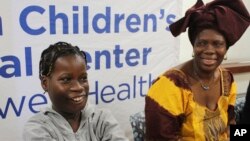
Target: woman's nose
x=210, y=48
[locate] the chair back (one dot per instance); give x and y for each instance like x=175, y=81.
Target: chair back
x=137, y=122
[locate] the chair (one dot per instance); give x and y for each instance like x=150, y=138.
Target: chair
x=238, y=108
x=244, y=115
x=137, y=121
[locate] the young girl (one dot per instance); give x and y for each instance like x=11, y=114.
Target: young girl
x=64, y=77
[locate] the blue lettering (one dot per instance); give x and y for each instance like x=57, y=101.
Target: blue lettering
x=14, y=65
x=132, y=54
x=10, y=102
x=145, y=53
x=154, y=22
x=133, y=57
x=75, y=20
x=89, y=60
x=117, y=52
x=104, y=93
x=169, y=20
x=99, y=23
x=28, y=61
x=1, y=27
x=98, y=55
x=23, y=20
x=125, y=91
x=35, y=100
x=13, y=68
x=53, y=17
x=118, y=19
x=85, y=19
x=106, y=19
x=141, y=82
x=130, y=23
x=107, y=93
x=95, y=93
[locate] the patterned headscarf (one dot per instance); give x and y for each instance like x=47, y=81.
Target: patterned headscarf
x=229, y=17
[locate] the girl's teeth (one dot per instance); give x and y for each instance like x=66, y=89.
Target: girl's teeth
x=77, y=99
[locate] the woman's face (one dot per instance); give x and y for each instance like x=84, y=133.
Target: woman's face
x=209, y=50
x=67, y=85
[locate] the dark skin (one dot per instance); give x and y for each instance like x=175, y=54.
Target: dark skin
x=204, y=98
x=68, y=88
x=209, y=51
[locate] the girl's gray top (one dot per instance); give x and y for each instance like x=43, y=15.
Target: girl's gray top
x=96, y=125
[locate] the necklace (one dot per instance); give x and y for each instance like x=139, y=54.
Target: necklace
x=203, y=86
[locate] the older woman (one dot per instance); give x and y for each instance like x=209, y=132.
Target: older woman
x=195, y=100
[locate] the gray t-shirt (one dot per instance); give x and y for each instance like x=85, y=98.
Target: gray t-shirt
x=96, y=125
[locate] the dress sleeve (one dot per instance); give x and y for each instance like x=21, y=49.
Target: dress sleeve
x=231, y=92
x=232, y=95
x=231, y=106
x=164, y=109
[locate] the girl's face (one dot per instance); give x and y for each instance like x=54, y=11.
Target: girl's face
x=209, y=50
x=67, y=85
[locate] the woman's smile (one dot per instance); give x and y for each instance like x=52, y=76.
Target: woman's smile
x=208, y=62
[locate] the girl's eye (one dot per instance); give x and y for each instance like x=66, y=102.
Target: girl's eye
x=84, y=79
x=66, y=80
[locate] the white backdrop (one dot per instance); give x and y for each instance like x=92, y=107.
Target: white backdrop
x=128, y=45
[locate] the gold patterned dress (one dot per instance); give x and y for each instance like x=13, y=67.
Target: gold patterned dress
x=171, y=112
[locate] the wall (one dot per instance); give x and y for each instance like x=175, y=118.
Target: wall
x=240, y=51
x=124, y=46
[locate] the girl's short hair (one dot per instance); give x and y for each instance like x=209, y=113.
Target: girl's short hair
x=53, y=52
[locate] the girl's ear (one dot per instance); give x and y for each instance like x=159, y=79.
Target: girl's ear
x=44, y=83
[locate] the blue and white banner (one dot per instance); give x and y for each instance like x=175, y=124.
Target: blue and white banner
x=128, y=45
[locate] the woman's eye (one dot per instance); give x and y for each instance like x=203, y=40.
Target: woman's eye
x=218, y=44
x=201, y=43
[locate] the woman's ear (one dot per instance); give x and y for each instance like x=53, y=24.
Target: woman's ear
x=44, y=83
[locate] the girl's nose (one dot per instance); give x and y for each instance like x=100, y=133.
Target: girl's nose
x=77, y=86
